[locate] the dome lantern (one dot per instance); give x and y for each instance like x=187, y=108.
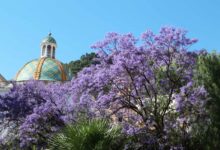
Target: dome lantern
x=48, y=47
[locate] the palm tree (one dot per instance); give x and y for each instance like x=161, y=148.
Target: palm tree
x=88, y=135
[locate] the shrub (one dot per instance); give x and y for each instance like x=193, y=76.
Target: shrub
x=88, y=135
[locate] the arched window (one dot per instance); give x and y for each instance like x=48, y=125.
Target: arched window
x=44, y=47
x=48, y=51
x=48, y=47
x=53, y=54
x=43, y=51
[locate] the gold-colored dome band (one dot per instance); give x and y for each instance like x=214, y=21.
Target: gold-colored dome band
x=63, y=74
x=38, y=69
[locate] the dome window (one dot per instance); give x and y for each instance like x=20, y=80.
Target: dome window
x=53, y=53
x=48, y=51
x=48, y=47
x=43, y=51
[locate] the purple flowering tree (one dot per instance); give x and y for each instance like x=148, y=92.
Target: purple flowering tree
x=147, y=84
x=35, y=110
x=47, y=117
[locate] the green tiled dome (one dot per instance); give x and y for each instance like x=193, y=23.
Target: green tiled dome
x=49, y=39
x=47, y=69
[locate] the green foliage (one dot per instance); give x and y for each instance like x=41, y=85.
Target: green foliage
x=209, y=75
x=84, y=61
x=88, y=135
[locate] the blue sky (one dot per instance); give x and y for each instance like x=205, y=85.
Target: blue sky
x=77, y=24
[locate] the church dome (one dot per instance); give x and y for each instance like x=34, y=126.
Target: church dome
x=45, y=68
